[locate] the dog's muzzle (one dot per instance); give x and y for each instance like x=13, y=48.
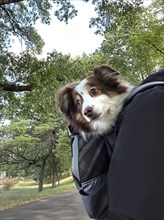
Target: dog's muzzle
x=90, y=113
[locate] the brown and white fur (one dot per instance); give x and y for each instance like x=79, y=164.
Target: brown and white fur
x=92, y=105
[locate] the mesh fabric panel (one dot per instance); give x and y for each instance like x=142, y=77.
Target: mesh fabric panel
x=93, y=158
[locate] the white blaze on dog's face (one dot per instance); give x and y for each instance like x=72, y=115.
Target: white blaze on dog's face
x=91, y=101
x=92, y=105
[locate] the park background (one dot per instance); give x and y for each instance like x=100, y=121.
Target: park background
x=46, y=44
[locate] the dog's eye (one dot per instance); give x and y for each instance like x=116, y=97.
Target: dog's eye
x=78, y=103
x=94, y=92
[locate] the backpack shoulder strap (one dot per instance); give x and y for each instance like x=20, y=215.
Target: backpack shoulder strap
x=142, y=88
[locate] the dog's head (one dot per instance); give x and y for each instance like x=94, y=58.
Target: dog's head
x=92, y=105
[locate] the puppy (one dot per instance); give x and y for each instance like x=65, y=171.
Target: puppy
x=91, y=106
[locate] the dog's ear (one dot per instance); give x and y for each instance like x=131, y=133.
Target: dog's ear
x=110, y=78
x=106, y=71
x=64, y=97
x=107, y=75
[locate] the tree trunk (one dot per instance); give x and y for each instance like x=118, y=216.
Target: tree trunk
x=41, y=176
x=53, y=178
x=53, y=165
x=58, y=178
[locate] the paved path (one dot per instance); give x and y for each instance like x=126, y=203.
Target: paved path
x=65, y=206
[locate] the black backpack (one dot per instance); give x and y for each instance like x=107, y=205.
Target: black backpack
x=91, y=161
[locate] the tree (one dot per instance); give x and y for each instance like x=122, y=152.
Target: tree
x=47, y=135
x=134, y=38
x=109, y=13
x=18, y=19
x=118, y=20
x=27, y=144
x=63, y=151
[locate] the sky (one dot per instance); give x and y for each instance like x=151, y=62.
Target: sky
x=74, y=38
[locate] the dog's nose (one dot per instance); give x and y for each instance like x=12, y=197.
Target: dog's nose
x=88, y=112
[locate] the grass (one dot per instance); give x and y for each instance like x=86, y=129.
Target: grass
x=27, y=191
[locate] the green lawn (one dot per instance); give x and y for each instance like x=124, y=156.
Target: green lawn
x=27, y=191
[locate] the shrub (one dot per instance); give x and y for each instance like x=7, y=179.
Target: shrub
x=6, y=183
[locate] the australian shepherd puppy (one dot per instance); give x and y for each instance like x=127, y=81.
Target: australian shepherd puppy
x=91, y=106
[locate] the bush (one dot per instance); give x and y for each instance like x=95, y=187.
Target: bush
x=6, y=183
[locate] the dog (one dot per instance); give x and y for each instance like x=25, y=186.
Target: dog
x=91, y=106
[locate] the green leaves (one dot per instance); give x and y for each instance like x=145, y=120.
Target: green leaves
x=134, y=44
x=66, y=10
x=63, y=151
x=25, y=141
x=18, y=19
x=110, y=12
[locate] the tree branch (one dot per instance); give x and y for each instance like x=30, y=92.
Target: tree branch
x=158, y=49
x=14, y=23
x=5, y=2
x=10, y=19
x=15, y=88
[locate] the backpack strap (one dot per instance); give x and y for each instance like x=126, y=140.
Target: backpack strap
x=75, y=153
x=142, y=88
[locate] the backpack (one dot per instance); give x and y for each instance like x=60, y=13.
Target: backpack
x=91, y=161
